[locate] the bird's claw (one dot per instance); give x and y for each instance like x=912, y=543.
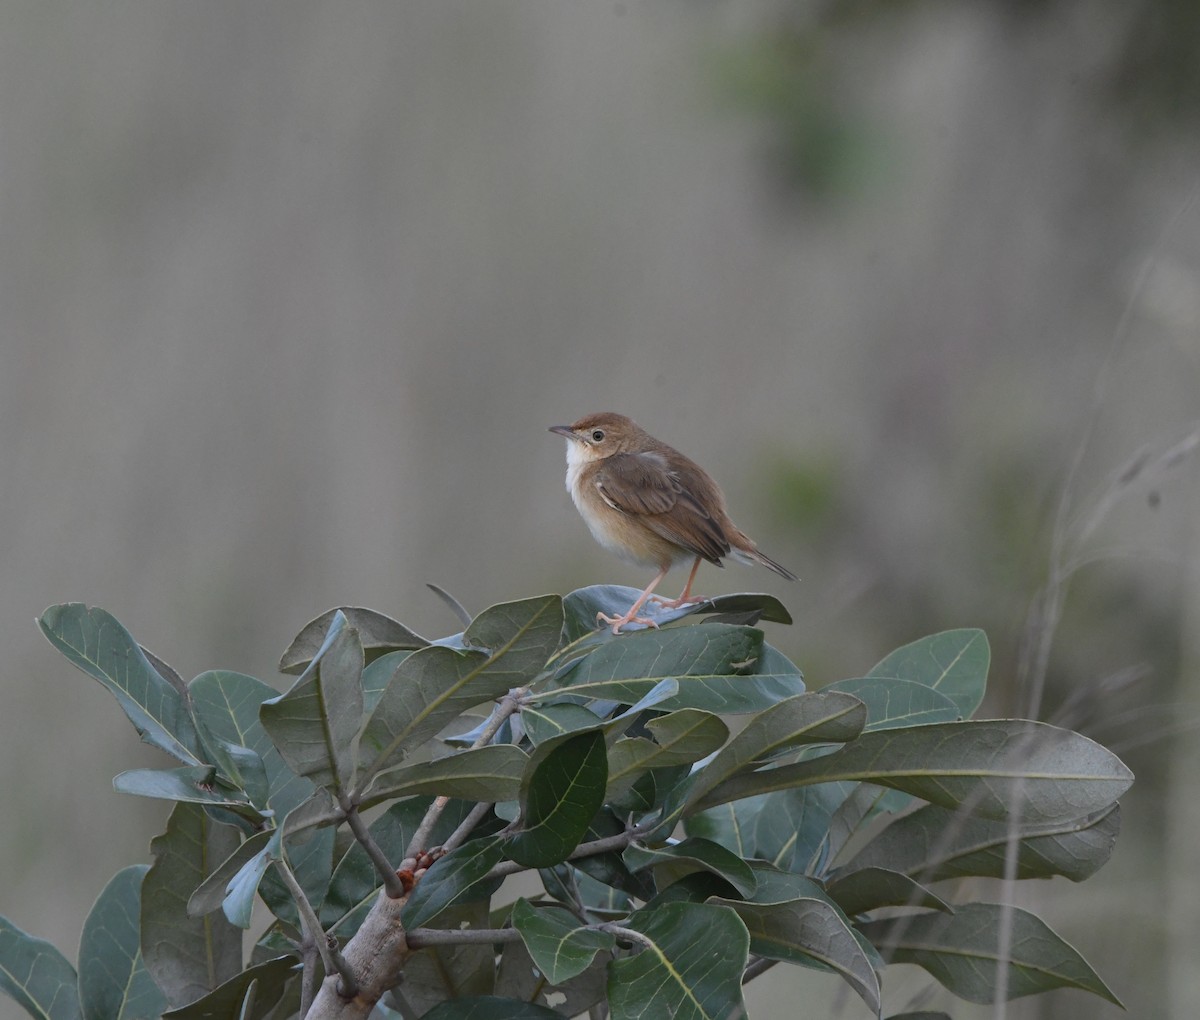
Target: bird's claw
x=617, y=622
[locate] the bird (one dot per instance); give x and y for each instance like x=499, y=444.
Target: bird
x=649, y=504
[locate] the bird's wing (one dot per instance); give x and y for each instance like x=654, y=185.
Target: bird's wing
x=642, y=486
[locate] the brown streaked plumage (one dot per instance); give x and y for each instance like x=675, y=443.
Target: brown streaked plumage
x=647, y=502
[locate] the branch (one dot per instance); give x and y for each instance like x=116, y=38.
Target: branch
x=334, y=962
x=597, y=846
x=419, y=938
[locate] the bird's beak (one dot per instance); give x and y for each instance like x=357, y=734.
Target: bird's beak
x=564, y=430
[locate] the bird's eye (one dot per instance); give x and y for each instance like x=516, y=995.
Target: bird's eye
x=597, y=435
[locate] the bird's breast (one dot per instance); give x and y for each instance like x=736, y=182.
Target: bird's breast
x=625, y=535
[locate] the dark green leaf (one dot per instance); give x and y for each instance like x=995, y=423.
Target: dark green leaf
x=562, y=791
x=97, y=644
x=678, y=860
x=653, y=655
x=892, y=703
x=1033, y=771
x=314, y=724
x=954, y=663
x=379, y=634
x=507, y=646
x=451, y=880
x=805, y=719
x=936, y=843
x=732, y=825
x=791, y=827
x=688, y=964
x=187, y=956
x=801, y=929
x=490, y=1007
x=961, y=950
x=37, y=976
x=871, y=888
x=558, y=943
x=490, y=773
x=680, y=738
x=113, y=981
x=269, y=980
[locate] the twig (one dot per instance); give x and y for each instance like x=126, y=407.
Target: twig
x=391, y=881
x=333, y=960
x=477, y=815
x=308, y=980
x=506, y=707
x=756, y=967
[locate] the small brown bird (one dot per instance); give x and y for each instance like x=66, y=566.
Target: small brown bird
x=648, y=503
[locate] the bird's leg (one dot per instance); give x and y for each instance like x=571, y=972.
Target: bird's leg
x=631, y=616
x=686, y=597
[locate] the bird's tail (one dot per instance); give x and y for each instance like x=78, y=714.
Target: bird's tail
x=746, y=551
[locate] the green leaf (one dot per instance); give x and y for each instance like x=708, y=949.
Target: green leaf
x=314, y=724
x=545, y=721
x=961, y=950
x=732, y=825
x=654, y=655
x=688, y=965
x=268, y=981
x=680, y=738
x=954, y=663
x=936, y=843
x=678, y=860
x=507, y=646
x=379, y=635
x=562, y=791
x=187, y=956
x=1036, y=772
x=451, y=880
x=37, y=976
x=193, y=784
x=805, y=719
x=227, y=704
x=490, y=1007
x=893, y=703
x=113, y=981
x=490, y=773
x=804, y=929
x=519, y=978
x=560, y=946
x=872, y=888
x=212, y=891
x=97, y=644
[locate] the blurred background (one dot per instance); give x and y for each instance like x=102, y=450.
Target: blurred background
x=289, y=294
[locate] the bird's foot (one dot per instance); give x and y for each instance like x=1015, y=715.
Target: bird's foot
x=617, y=622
